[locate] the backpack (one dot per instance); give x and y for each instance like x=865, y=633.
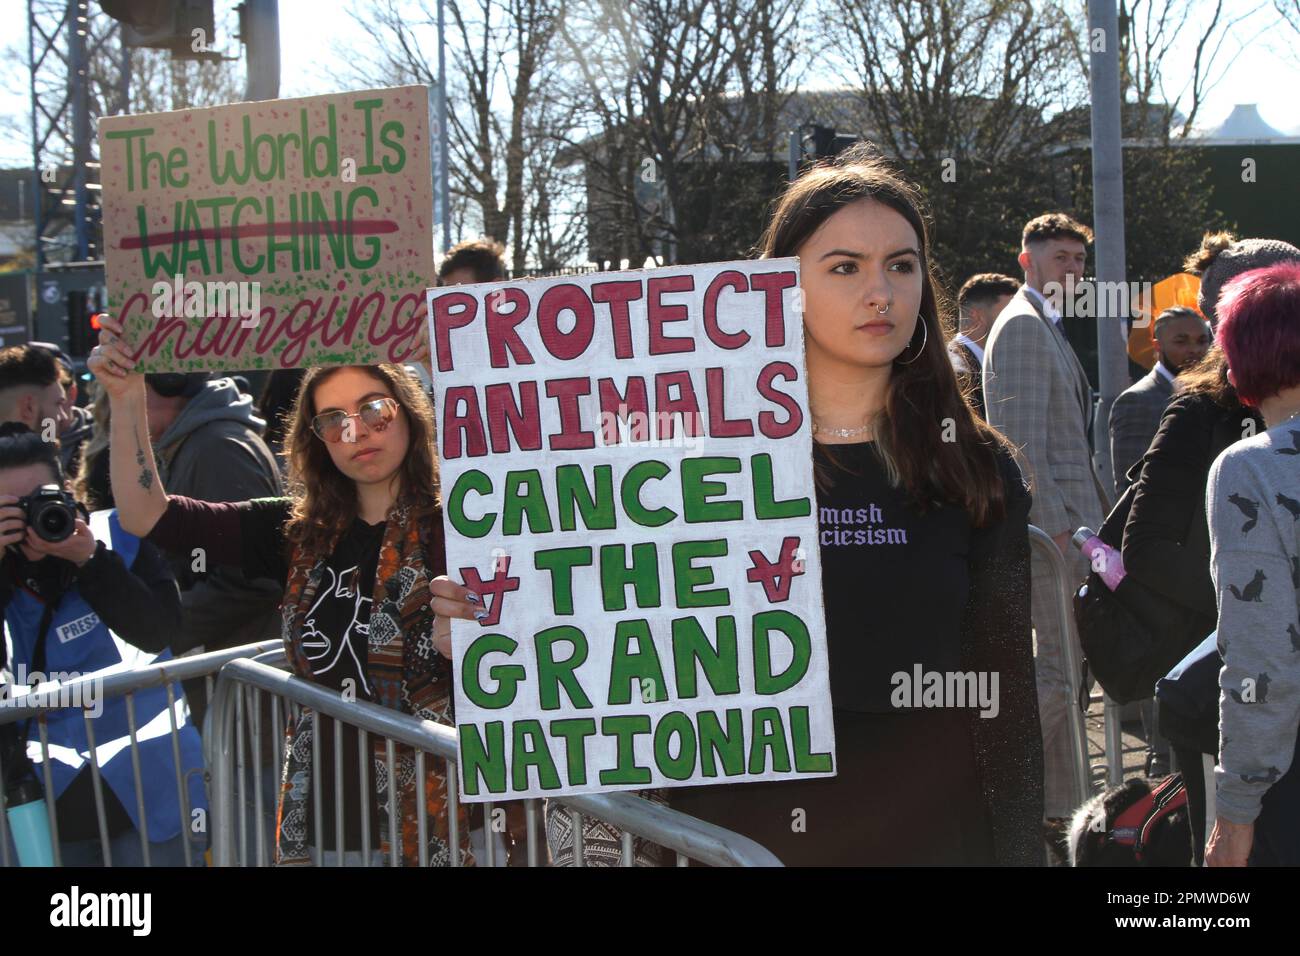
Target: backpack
x=1132, y=636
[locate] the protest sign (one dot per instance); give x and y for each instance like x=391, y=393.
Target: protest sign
x=273, y=234
x=627, y=483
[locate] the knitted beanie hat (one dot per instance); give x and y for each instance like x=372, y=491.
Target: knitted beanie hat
x=1242, y=256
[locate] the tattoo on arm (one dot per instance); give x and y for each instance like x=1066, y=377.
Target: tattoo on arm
x=146, y=476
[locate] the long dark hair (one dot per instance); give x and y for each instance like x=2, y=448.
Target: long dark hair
x=923, y=395
x=324, y=499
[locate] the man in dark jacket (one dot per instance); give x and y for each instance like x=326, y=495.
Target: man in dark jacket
x=208, y=444
x=1182, y=338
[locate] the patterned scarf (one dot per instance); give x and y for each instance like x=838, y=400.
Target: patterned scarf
x=405, y=673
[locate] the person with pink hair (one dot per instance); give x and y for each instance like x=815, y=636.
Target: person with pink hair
x=1253, y=504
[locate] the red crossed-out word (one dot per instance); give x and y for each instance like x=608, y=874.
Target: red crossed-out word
x=495, y=587
x=777, y=576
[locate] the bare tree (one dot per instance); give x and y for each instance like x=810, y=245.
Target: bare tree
x=1290, y=11
x=501, y=50
x=664, y=89
x=958, y=92
x=1150, y=30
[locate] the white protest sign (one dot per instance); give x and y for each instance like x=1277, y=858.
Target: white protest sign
x=627, y=482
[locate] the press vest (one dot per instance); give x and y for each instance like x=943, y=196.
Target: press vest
x=79, y=643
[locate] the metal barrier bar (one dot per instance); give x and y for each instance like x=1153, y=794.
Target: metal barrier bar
x=258, y=808
x=689, y=838
x=363, y=759
x=1078, y=731
x=318, y=824
x=1111, y=725
x=137, y=778
x=338, y=791
x=394, y=824
x=40, y=702
x=97, y=785
x=421, y=813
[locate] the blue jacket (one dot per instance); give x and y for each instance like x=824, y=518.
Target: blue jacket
x=79, y=643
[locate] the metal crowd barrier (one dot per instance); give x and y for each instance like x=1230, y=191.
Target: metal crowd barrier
x=1111, y=711
x=41, y=702
x=239, y=691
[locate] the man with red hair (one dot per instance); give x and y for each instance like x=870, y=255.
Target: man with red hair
x=1253, y=503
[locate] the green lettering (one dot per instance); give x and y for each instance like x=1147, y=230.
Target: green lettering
x=552, y=674
x=692, y=649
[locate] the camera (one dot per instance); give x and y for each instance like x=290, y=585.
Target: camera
x=51, y=512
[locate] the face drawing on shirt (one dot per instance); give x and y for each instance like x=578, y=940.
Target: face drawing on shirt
x=319, y=647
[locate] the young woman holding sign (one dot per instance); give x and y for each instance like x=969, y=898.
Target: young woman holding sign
x=359, y=547
x=925, y=559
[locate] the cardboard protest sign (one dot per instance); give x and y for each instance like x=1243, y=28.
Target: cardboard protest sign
x=270, y=235
x=627, y=483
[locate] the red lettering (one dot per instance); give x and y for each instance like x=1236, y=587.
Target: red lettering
x=686, y=405
x=719, y=425
x=468, y=424
x=451, y=310
x=615, y=406
x=565, y=346
x=501, y=328
x=772, y=285
x=731, y=279
x=523, y=419
x=767, y=422
x=572, y=435
x=618, y=295
x=404, y=332
x=660, y=313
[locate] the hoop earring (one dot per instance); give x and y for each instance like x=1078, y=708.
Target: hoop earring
x=925, y=337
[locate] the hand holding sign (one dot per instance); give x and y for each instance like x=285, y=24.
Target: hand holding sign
x=650, y=617
x=272, y=234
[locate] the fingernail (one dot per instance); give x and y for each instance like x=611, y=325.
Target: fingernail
x=480, y=615
x=472, y=597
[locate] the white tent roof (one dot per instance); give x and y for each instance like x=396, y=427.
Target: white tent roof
x=1244, y=124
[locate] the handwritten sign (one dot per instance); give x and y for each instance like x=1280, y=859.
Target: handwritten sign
x=627, y=484
x=270, y=235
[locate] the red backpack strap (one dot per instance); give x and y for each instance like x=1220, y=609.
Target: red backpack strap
x=1167, y=798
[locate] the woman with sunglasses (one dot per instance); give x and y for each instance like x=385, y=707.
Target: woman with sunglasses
x=366, y=608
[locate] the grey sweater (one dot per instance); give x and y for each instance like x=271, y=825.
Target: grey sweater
x=1252, y=500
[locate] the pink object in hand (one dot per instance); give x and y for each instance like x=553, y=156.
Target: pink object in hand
x=1105, y=560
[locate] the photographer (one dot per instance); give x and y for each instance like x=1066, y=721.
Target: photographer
x=73, y=595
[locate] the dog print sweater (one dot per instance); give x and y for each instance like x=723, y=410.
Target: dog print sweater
x=1252, y=501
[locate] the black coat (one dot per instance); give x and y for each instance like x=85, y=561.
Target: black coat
x=1167, y=539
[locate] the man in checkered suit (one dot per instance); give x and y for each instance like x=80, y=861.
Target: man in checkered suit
x=1037, y=394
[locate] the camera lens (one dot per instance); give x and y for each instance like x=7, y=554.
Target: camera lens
x=55, y=521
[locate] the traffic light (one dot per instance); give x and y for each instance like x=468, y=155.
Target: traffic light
x=818, y=142
x=83, y=332
x=166, y=25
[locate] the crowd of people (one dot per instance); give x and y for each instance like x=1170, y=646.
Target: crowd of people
x=317, y=516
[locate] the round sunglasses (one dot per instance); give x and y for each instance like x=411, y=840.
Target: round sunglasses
x=376, y=414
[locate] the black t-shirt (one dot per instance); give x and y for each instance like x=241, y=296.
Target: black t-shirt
x=894, y=581
x=335, y=638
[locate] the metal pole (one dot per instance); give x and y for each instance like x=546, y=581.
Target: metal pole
x=261, y=36
x=38, y=183
x=78, y=25
x=1107, y=216
x=444, y=153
